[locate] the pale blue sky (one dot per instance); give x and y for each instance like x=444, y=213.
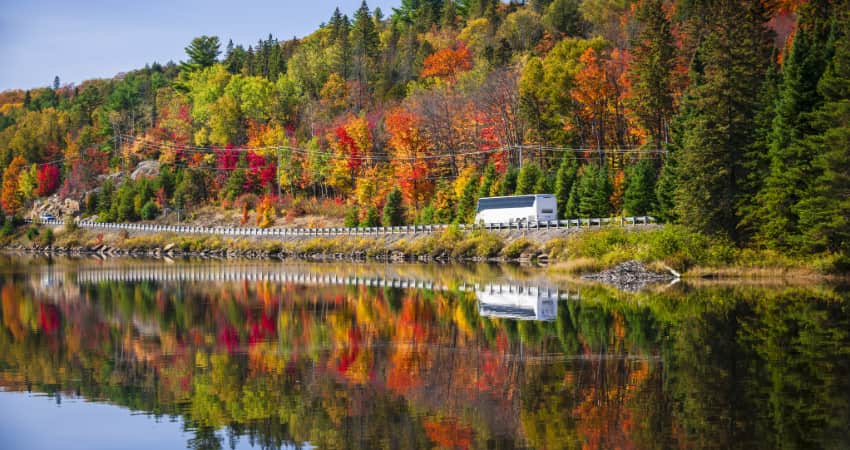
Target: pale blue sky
x=78, y=40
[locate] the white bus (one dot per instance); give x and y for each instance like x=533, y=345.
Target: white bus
x=517, y=208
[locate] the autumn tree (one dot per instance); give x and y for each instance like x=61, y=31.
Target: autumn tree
x=48, y=179
x=10, y=196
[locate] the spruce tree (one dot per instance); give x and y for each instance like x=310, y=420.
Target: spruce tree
x=651, y=72
x=372, y=218
x=735, y=51
x=203, y=52
x=487, y=181
x=592, y=194
x=824, y=210
x=639, y=197
x=527, y=179
x=564, y=181
x=791, y=168
x=365, y=41
x=393, y=210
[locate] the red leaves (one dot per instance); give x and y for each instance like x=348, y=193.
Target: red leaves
x=355, y=160
x=48, y=179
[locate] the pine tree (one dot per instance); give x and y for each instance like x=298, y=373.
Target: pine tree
x=466, y=204
x=651, y=71
x=372, y=218
x=393, y=209
x=364, y=37
x=735, y=51
x=487, y=181
x=791, y=169
x=639, y=198
x=564, y=181
x=825, y=209
x=203, y=52
x=591, y=192
x=352, y=217
x=527, y=179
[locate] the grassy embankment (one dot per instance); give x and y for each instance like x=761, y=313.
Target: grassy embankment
x=576, y=253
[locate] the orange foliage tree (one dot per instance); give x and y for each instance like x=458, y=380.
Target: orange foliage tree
x=409, y=156
x=10, y=197
x=447, y=63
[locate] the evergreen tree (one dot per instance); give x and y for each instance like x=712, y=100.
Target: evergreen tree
x=651, y=71
x=590, y=193
x=825, y=209
x=364, y=37
x=352, y=217
x=487, y=181
x=393, y=209
x=791, y=168
x=509, y=181
x=735, y=52
x=466, y=205
x=527, y=179
x=639, y=197
x=203, y=52
x=372, y=218
x=564, y=181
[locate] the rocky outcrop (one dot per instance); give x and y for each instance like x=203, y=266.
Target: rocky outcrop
x=54, y=205
x=146, y=169
x=631, y=276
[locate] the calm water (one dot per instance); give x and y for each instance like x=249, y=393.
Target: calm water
x=147, y=354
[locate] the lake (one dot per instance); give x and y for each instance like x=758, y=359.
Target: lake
x=128, y=353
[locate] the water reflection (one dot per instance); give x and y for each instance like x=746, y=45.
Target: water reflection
x=364, y=356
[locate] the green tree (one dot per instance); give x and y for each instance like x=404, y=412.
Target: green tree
x=564, y=180
x=365, y=46
x=639, y=198
x=592, y=193
x=651, y=71
x=352, y=217
x=372, y=218
x=203, y=52
x=791, y=168
x=825, y=209
x=393, y=209
x=527, y=180
x=735, y=51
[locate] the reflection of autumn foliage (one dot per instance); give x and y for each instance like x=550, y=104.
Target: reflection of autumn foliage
x=449, y=434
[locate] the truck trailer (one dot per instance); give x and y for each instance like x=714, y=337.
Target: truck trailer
x=517, y=208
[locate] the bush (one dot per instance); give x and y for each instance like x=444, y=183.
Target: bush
x=48, y=238
x=517, y=248
x=149, y=211
x=32, y=233
x=8, y=227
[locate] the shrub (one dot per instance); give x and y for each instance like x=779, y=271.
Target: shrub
x=47, y=238
x=32, y=233
x=517, y=248
x=149, y=210
x=8, y=227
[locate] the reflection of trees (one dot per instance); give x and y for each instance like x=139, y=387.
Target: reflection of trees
x=346, y=367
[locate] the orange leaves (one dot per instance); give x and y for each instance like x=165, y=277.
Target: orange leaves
x=10, y=197
x=351, y=143
x=447, y=63
x=266, y=212
x=409, y=151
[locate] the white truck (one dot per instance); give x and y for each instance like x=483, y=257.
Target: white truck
x=517, y=208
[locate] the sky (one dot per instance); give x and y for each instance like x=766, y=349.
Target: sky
x=80, y=40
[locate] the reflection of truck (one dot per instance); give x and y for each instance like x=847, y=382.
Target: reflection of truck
x=517, y=208
x=517, y=302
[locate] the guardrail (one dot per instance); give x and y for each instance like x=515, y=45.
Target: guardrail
x=360, y=231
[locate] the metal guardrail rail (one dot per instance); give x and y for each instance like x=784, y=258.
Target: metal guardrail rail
x=360, y=231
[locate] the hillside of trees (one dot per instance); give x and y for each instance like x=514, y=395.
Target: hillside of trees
x=731, y=117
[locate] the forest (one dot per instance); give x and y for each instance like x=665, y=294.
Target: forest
x=730, y=117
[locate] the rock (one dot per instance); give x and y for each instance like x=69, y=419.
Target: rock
x=630, y=276
x=147, y=169
x=168, y=248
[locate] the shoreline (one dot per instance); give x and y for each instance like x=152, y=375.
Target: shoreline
x=662, y=249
